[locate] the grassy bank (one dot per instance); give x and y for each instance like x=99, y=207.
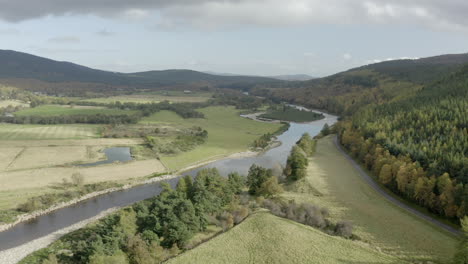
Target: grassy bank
x=227, y=133
x=332, y=182
x=264, y=238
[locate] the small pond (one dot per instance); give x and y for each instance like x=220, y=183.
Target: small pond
x=121, y=154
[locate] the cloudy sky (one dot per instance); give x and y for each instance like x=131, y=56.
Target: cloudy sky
x=262, y=37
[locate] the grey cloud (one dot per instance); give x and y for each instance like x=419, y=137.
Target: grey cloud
x=436, y=14
x=105, y=33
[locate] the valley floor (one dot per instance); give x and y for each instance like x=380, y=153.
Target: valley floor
x=334, y=183
x=389, y=234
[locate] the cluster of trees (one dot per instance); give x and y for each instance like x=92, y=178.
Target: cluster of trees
x=311, y=215
x=158, y=228
x=439, y=193
x=185, y=110
x=130, y=118
x=289, y=113
x=297, y=162
x=262, y=182
x=186, y=140
x=238, y=99
x=263, y=141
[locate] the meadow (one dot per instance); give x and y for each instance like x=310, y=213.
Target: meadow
x=143, y=98
x=59, y=110
x=46, y=132
x=228, y=133
x=265, y=238
x=332, y=182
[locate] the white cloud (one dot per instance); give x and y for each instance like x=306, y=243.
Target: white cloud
x=347, y=56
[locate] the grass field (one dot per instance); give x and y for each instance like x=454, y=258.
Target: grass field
x=34, y=132
x=33, y=157
x=173, y=96
x=8, y=155
x=227, y=133
x=58, y=110
x=17, y=186
x=332, y=182
x=264, y=238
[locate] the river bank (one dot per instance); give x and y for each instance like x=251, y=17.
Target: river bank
x=14, y=255
x=30, y=216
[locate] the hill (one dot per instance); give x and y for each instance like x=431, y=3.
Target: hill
x=265, y=238
x=45, y=75
x=345, y=92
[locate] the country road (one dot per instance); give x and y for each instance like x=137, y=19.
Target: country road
x=390, y=198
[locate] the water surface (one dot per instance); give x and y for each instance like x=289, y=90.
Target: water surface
x=120, y=154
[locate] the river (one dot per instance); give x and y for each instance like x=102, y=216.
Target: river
x=62, y=218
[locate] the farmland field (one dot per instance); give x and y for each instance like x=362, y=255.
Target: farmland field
x=173, y=96
x=34, y=132
x=332, y=182
x=227, y=133
x=265, y=238
x=58, y=110
x=49, y=156
x=17, y=186
x=8, y=155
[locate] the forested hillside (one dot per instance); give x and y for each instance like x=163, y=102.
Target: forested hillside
x=418, y=146
x=406, y=121
x=344, y=93
x=56, y=77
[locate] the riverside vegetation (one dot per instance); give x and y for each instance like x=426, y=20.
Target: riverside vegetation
x=162, y=227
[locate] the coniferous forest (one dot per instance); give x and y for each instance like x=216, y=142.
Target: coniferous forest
x=418, y=146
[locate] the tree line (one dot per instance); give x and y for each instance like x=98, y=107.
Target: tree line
x=439, y=193
x=297, y=162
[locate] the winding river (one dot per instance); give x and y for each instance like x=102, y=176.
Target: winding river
x=62, y=218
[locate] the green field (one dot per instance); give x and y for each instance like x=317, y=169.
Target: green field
x=35, y=132
x=292, y=114
x=227, y=133
x=332, y=182
x=58, y=110
x=172, y=96
x=265, y=238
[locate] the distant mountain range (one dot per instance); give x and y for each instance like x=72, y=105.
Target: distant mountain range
x=29, y=71
x=290, y=77
x=41, y=74
x=293, y=77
